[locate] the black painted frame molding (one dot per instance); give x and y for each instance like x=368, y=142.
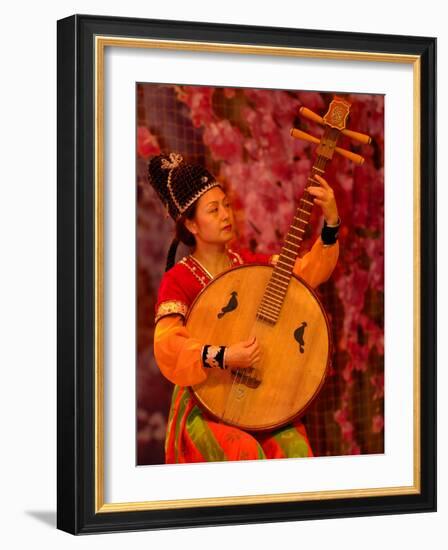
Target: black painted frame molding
x=75, y=272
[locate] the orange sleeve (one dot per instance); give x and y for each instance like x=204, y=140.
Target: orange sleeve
x=177, y=355
x=318, y=264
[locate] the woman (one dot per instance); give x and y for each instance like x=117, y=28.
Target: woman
x=205, y=222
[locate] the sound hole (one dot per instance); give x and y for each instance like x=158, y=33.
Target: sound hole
x=299, y=335
x=231, y=305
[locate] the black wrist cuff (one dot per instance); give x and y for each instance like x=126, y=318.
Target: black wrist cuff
x=329, y=235
x=213, y=356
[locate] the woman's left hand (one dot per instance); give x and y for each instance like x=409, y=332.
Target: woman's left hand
x=324, y=197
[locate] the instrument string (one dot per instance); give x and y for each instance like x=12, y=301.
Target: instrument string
x=238, y=376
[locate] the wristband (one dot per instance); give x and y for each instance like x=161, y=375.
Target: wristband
x=329, y=234
x=213, y=356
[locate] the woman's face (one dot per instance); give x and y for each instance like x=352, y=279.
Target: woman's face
x=213, y=222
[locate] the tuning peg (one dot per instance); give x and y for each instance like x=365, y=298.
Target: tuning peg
x=310, y=115
x=300, y=134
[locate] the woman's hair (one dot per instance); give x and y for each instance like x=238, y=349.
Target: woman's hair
x=182, y=235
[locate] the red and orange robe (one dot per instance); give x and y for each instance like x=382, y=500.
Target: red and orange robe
x=192, y=436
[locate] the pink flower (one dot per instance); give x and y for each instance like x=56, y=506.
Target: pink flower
x=312, y=101
x=377, y=423
x=147, y=144
x=378, y=384
x=199, y=99
x=229, y=92
x=346, y=426
x=354, y=449
x=224, y=140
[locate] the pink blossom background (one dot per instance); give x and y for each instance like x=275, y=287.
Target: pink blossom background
x=243, y=137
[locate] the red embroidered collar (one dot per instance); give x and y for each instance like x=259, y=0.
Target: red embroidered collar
x=201, y=273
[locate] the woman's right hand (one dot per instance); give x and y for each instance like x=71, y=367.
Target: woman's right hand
x=243, y=354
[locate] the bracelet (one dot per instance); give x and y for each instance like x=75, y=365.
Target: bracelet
x=329, y=234
x=213, y=356
x=333, y=225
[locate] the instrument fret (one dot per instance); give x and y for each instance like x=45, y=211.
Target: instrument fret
x=284, y=254
x=289, y=265
x=278, y=294
x=292, y=242
x=270, y=309
x=282, y=287
x=289, y=250
x=276, y=274
x=281, y=284
x=295, y=228
x=266, y=319
x=292, y=236
x=273, y=297
x=298, y=236
x=278, y=268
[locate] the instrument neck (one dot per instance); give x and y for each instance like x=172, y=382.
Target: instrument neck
x=275, y=293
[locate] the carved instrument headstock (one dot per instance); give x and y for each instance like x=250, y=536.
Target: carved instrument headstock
x=335, y=119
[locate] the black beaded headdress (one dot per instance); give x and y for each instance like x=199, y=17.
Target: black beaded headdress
x=178, y=183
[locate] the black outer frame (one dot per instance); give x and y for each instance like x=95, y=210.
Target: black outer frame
x=75, y=272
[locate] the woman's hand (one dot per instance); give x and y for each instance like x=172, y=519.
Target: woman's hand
x=324, y=197
x=243, y=354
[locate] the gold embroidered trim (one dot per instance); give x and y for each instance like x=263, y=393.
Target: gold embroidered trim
x=176, y=160
x=203, y=279
x=171, y=307
x=214, y=183
x=197, y=262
